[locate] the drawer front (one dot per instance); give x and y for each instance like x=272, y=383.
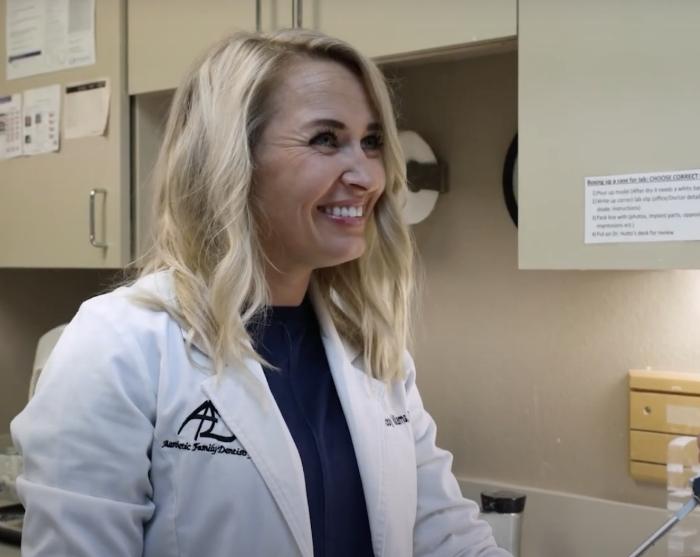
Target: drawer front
x=657, y=473
x=665, y=413
x=653, y=447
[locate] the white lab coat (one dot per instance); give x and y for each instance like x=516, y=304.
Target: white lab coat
x=133, y=448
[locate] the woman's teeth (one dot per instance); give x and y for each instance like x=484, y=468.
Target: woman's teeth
x=343, y=211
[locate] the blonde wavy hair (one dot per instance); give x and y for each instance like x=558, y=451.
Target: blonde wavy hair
x=206, y=232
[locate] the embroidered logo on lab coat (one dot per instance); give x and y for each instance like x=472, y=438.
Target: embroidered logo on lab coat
x=206, y=412
x=206, y=423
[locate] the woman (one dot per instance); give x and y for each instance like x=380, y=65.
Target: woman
x=251, y=393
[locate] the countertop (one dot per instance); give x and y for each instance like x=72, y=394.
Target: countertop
x=9, y=550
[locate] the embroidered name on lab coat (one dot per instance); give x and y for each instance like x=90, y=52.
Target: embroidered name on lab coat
x=391, y=420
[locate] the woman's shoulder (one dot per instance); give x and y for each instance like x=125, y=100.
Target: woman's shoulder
x=139, y=298
x=133, y=311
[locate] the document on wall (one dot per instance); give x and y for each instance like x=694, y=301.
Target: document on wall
x=41, y=117
x=650, y=207
x=10, y=126
x=86, y=108
x=48, y=35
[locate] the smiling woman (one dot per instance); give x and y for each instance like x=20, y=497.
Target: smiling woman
x=251, y=391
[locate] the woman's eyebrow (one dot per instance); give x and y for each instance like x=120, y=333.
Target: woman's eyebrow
x=338, y=125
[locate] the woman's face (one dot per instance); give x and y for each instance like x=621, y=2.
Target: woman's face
x=319, y=168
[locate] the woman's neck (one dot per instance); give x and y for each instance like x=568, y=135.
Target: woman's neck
x=287, y=289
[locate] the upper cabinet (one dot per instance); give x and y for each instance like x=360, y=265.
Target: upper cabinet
x=396, y=29
x=166, y=36
x=47, y=212
x=605, y=88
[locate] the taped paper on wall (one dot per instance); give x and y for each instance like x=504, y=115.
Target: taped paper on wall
x=86, y=108
x=41, y=117
x=650, y=207
x=10, y=126
x=48, y=35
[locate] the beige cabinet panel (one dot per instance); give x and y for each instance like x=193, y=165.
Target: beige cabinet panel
x=149, y=115
x=44, y=199
x=166, y=36
x=396, y=29
x=605, y=88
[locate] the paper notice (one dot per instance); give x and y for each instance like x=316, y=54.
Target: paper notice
x=653, y=207
x=10, y=126
x=48, y=35
x=86, y=108
x=41, y=117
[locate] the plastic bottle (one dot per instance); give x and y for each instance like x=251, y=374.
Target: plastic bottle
x=503, y=510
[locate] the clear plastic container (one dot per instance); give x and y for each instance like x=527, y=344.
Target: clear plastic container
x=10, y=468
x=682, y=464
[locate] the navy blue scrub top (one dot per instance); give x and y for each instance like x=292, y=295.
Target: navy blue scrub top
x=289, y=338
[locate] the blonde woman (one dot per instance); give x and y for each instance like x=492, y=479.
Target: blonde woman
x=251, y=394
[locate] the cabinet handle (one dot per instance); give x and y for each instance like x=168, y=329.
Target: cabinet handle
x=297, y=21
x=258, y=16
x=93, y=194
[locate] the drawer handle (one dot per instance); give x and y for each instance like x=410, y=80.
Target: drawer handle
x=297, y=21
x=93, y=241
x=646, y=410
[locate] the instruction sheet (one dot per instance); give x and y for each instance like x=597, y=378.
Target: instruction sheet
x=650, y=207
x=86, y=108
x=10, y=126
x=41, y=117
x=48, y=35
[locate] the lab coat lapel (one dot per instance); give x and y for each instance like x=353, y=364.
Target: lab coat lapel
x=360, y=397
x=245, y=403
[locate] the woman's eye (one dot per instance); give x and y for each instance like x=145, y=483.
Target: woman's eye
x=325, y=139
x=372, y=142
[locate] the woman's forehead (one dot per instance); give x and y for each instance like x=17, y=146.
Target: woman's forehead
x=322, y=86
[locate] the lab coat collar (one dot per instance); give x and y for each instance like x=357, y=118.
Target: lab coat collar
x=357, y=391
x=246, y=405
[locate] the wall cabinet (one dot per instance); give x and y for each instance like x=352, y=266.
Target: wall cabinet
x=165, y=36
x=398, y=29
x=605, y=88
x=45, y=199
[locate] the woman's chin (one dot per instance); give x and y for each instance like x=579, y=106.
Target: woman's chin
x=342, y=256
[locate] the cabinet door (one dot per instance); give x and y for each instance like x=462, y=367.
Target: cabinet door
x=605, y=88
x=396, y=29
x=166, y=36
x=45, y=199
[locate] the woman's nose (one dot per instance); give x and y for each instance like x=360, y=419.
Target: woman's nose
x=363, y=171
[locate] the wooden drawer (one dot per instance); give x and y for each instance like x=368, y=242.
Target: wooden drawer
x=666, y=413
x=657, y=473
x=648, y=446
